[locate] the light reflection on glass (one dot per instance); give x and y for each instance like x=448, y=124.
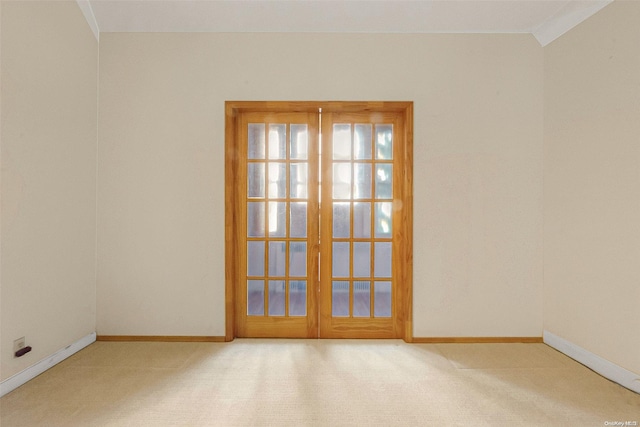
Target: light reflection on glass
x=341, y=180
x=277, y=149
x=341, y=141
x=383, y=219
x=299, y=142
x=277, y=219
x=384, y=142
x=277, y=180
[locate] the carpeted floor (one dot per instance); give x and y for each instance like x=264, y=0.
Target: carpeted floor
x=318, y=383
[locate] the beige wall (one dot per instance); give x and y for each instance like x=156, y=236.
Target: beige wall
x=48, y=222
x=592, y=185
x=478, y=168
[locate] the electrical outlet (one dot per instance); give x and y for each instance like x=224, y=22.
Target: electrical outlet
x=18, y=344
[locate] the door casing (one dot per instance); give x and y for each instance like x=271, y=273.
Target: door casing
x=233, y=110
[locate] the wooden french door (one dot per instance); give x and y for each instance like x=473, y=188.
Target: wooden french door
x=357, y=290
x=278, y=172
x=320, y=223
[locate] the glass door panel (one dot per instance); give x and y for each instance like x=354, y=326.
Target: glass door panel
x=357, y=280
x=280, y=229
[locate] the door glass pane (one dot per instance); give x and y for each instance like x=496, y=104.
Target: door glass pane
x=362, y=141
x=383, y=219
x=277, y=147
x=384, y=185
x=255, y=219
x=277, y=258
x=340, y=299
x=298, y=259
x=361, y=259
x=362, y=220
x=341, y=219
x=277, y=180
x=256, y=179
x=255, y=258
x=382, y=259
x=384, y=142
x=276, y=297
x=255, y=297
x=277, y=219
x=362, y=186
x=298, y=178
x=340, y=259
x=342, y=142
x=298, y=219
x=382, y=299
x=299, y=142
x=256, y=141
x=298, y=298
x=361, y=299
x=342, y=180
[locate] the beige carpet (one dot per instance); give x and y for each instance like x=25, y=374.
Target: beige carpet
x=318, y=383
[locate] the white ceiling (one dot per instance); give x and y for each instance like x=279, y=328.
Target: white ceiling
x=545, y=19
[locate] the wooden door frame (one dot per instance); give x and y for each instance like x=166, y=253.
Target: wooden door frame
x=233, y=109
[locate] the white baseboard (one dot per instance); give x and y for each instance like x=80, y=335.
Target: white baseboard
x=33, y=371
x=602, y=366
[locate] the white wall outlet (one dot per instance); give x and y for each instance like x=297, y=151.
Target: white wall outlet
x=18, y=344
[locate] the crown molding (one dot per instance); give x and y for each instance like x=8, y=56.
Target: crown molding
x=87, y=11
x=570, y=15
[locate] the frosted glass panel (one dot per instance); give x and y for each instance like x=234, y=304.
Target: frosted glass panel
x=362, y=142
x=340, y=259
x=383, y=220
x=384, y=142
x=255, y=258
x=277, y=258
x=361, y=299
x=256, y=144
x=277, y=219
x=277, y=147
x=255, y=219
x=362, y=220
x=361, y=259
x=256, y=178
x=382, y=259
x=299, y=142
x=382, y=299
x=298, y=298
x=277, y=180
x=341, y=219
x=384, y=183
x=342, y=142
x=298, y=219
x=340, y=299
x=362, y=186
x=298, y=259
x=255, y=297
x=341, y=180
x=276, y=297
x=298, y=177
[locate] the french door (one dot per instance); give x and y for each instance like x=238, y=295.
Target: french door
x=319, y=221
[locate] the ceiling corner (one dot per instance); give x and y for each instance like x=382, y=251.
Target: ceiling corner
x=87, y=11
x=572, y=14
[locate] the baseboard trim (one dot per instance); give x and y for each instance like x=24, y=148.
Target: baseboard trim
x=476, y=340
x=594, y=362
x=160, y=338
x=36, y=369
